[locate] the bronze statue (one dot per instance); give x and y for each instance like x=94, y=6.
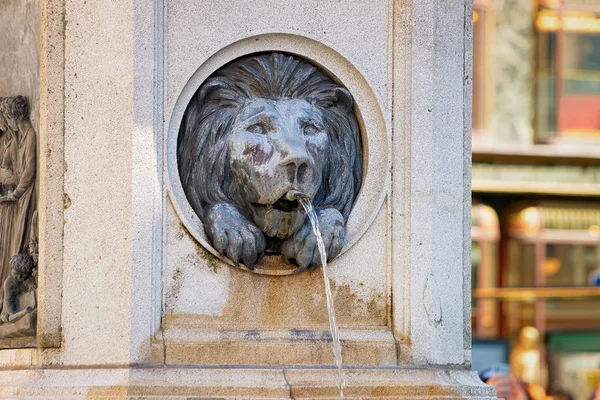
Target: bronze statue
x=525, y=358
x=257, y=129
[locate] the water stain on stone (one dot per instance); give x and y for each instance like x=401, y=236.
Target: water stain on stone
x=292, y=302
x=304, y=334
x=252, y=334
x=181, y=232
x=107, y=392
x=175, y=284
x=212, y=262
x=349, y=306
x=66, y=201
x=422, y=392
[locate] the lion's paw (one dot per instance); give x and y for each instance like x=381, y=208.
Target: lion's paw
x=303, y=248
x=233, y=236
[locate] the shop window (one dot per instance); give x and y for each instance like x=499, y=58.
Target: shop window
x=569, y=264
x=553, y=245
x=568, y=71
x=485, y=235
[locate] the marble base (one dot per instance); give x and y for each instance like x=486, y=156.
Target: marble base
x=246, y=382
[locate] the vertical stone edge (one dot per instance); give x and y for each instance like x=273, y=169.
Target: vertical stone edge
x=51, y=167
x=449, y=210
x=432, y=153
x=419, y=158
x=402, y=27
x=147, y=181
x=467, y=164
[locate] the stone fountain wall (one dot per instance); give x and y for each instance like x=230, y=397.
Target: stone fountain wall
x=19, y=83
x=20, y=52
x=127, y=282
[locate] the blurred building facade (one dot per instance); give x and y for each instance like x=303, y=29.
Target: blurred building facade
x=536, y=183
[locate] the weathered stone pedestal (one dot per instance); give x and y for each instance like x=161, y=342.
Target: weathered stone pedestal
x=134, y=302
x=243, y=383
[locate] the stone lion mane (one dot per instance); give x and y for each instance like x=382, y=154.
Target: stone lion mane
x=201, y=146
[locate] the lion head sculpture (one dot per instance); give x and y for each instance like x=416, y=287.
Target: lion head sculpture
x=255, y=130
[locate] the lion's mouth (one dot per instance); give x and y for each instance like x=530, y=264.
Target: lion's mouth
x=280, y=219
x=286, y=205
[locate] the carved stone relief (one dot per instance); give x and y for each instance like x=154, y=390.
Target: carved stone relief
x=255, y=130
x=18, y=224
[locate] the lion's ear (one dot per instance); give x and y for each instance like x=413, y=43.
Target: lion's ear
x=343, y=99
x=208, y=88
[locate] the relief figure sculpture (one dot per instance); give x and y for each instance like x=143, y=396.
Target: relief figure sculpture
x=18, y=289
x=254, y=132
x=17, y=178
x=18, y=221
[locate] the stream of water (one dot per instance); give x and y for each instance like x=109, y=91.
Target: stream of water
x=337, y=345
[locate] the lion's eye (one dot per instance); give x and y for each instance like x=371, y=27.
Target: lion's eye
x=257, y=128
x=310, y=128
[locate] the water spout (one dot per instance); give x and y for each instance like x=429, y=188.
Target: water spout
x=294, y=195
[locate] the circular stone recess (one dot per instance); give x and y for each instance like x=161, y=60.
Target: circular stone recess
x=198, y=192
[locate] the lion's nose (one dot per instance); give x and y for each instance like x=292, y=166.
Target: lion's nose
x=296, y=161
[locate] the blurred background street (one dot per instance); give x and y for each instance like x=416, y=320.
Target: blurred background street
x=536, y=193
